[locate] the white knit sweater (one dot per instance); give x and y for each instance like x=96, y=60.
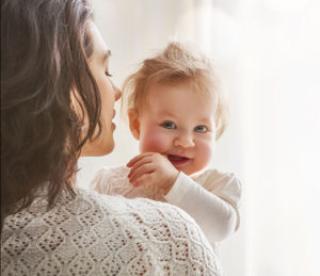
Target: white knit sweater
x=96, y=234
x=210, y=197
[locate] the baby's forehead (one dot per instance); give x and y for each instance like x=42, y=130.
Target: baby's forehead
x=182, y=89
x=179, y=99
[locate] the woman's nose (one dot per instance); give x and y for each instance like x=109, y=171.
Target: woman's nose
x=184, y=140
x=117, y=92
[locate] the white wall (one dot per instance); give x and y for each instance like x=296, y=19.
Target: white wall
x=267, y=53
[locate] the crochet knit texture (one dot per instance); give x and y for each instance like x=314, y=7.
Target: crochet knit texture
x=94, y=234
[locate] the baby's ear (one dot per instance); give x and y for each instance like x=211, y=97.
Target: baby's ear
x=134, y=123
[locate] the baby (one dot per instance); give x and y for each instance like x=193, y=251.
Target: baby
x=177, y=114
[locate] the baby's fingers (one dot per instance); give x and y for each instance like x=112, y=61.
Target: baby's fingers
x=139, y=172
x=138, y=158
x=139, y=163
x=145, y=179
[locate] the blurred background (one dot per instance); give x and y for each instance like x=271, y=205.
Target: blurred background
x=267, y=55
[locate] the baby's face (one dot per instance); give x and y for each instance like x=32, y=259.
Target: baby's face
x=180, y=124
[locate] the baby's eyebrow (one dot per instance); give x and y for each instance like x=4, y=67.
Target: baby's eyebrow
x=206, y=121
x=167, y=113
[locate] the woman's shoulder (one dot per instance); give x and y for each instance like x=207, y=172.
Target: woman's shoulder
x=136, y=210
x=105, y=235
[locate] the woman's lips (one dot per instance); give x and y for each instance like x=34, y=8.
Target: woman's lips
x=178, y=161
x=112, y=123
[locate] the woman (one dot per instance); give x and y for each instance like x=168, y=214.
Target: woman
x=57, y=104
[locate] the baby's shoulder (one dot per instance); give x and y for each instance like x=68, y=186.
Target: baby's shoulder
x=113, y=172
x=109, y=179
x=214, y=175
x=214, y=179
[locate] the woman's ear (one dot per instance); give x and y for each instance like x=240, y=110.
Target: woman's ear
x=134, y=123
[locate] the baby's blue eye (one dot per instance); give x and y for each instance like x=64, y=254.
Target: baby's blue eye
x=201, y=129
x=169, y=125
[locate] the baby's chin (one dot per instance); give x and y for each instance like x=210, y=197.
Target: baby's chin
x=194, y=172
x=190, y=171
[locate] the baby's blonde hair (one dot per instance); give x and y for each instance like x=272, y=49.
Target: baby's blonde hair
x=176, y=64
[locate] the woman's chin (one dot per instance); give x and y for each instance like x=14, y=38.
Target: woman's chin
x=110, y=148
x=98, y=148
x=107, y=148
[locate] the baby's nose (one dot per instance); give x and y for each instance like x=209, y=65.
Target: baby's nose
x=184, y=140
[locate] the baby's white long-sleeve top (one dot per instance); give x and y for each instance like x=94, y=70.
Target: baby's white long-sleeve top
x=210, y=197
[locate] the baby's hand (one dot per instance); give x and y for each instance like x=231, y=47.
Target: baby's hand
x=151, y=168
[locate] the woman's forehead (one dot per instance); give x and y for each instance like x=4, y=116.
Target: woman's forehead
x=100, y=48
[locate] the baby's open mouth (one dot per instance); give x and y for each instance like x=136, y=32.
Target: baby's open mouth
x=177, y=160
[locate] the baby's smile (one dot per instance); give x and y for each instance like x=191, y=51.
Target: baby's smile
x=179, y=161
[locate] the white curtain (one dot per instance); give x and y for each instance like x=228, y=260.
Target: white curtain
x=267, y=53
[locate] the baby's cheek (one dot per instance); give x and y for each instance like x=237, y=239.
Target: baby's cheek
x=205, y=150
x=154, y=141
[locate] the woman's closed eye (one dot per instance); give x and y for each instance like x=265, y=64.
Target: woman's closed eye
x=201, y=129
x=168, y=125
x=108, y=74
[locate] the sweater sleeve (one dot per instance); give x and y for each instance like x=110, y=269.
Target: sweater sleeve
x=211, y=199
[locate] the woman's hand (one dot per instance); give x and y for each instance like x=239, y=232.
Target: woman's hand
x=151, y=168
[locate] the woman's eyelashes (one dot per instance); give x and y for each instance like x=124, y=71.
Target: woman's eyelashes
x=108, y=74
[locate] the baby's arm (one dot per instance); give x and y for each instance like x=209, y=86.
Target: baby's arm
x=212, y=200
x=112, y=181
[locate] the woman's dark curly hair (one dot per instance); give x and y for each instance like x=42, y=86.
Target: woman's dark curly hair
x=44, y=49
